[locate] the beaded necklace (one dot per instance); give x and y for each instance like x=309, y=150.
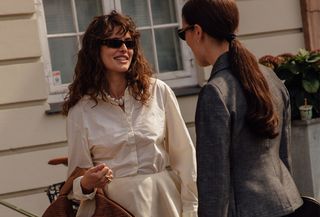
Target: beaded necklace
x=114, y=101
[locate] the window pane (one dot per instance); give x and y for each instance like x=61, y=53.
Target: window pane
x=163, y=11
x=146, y=41
x=168, y=50
x=63, y=53
x=138, y=10
x=86, y=10
x=58, y=16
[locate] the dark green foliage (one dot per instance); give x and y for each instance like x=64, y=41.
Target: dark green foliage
x=301, y=76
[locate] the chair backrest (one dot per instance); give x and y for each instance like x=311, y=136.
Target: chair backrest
x=53, y=191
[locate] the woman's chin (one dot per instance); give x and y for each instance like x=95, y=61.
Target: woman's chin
x=202, y=64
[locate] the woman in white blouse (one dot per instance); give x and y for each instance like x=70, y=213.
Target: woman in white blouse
x=126, y=126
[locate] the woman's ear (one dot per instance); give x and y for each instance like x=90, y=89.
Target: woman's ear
x=198, y=32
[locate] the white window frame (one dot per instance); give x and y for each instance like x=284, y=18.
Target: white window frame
x=186, y=77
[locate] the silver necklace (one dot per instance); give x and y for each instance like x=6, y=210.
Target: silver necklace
x=114, y=101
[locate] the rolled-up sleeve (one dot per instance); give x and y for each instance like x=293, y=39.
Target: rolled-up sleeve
x=182, y=154
x=78, y=150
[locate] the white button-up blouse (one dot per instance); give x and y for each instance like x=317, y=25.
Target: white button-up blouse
x=141, y=139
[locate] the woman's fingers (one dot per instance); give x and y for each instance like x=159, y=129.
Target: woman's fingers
x=98, y=176
x=106, y=171
x=107, y=175
x=97, y=168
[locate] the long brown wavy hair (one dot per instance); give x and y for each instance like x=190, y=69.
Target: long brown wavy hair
x=90, y=73
x=220, y=20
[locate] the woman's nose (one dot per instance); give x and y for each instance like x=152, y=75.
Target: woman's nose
x=123, y=47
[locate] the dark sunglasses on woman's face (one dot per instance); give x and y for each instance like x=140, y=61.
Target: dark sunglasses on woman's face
x=182, y=32
x=117, y=43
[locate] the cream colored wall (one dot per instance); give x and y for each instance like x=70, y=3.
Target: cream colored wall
x=29, y=137
x=269, y=27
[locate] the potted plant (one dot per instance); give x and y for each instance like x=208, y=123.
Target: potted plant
x=301, y=76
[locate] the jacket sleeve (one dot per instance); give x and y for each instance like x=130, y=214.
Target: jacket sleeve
x=182, y=155
x=285, y=142
x=212, y=148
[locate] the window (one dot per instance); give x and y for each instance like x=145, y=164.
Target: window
x=64, y=21
x=157, y=22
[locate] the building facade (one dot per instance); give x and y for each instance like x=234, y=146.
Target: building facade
x=38, y=43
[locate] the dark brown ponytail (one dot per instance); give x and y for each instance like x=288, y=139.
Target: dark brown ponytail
x=220, y=19
x=261, y=117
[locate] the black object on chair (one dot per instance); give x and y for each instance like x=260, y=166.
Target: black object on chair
x=310, y=208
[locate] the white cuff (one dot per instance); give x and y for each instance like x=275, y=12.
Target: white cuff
x=77, y=191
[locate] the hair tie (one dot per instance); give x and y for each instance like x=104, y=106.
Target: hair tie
x=231, y=37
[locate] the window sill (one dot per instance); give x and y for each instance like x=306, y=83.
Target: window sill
x=55, y=102
x=54, y=108
x=186, y=91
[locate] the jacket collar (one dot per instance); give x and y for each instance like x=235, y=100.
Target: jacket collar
x=221, y=64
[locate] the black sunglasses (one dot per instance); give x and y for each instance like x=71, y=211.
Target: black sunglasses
x=117, y=43
x=182, y=32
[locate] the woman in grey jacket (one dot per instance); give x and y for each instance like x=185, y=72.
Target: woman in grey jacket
x=242, y=121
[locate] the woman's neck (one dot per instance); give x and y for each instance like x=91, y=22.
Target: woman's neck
x=215, y=49
x=117, y=86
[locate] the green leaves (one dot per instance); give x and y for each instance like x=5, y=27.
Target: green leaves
x=301, y=76
x=311, y=86
x=313, y=59
x=310, y=80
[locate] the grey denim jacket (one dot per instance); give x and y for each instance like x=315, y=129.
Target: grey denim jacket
x=239, y=173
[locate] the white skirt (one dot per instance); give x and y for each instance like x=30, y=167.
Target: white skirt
x=150, y=195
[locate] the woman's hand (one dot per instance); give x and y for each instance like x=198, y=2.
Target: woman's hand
x=96, y=177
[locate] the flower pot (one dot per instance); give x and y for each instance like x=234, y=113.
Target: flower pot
x=305, y=112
